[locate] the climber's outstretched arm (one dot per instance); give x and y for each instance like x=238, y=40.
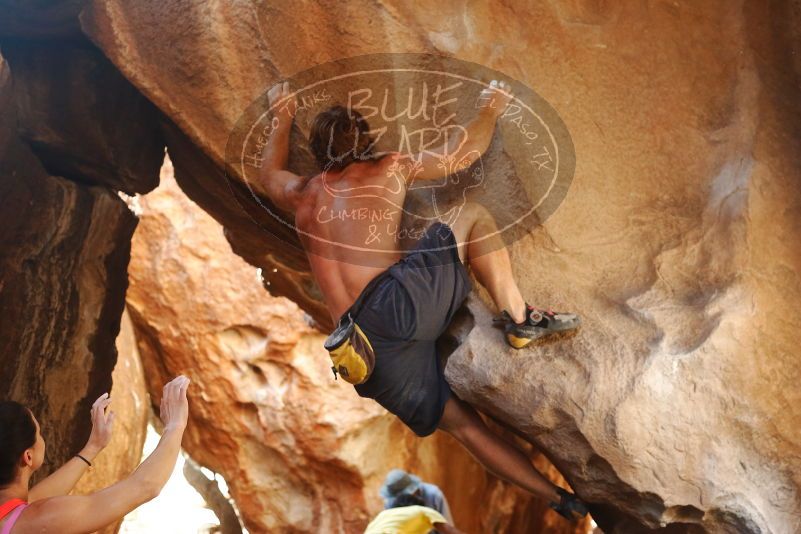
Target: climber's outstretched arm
x=274, y=181
x=463, y=144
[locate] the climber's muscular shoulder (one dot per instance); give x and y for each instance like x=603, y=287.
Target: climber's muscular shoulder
x=290, y=191
x=376, y=175
x=285, y=189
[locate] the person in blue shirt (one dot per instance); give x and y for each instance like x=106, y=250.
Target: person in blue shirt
x=398, y=482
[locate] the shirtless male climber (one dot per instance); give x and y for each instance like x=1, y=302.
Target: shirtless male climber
x=412, y=296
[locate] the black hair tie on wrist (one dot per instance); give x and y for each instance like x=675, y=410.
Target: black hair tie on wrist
x=84, y=459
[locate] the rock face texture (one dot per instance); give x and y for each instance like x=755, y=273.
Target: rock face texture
x=131, y=406
x=64, y=250
x=674, y=409
x=676, y=406
x=299, y=451
x=83, y=120
x=73, y=132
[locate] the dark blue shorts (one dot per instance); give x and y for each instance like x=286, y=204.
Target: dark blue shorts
x=403, y=317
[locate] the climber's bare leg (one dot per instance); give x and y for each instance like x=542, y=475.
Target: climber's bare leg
x=488, y=258
x=498, y=456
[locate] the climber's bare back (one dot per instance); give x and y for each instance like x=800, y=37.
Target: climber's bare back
x=348, y=223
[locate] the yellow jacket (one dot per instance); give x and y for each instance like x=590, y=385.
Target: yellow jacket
x=405, y=520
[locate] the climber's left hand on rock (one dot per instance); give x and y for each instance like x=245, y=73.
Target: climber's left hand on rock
x=283, y=102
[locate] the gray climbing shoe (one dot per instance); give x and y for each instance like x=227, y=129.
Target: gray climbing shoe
x=538, y=323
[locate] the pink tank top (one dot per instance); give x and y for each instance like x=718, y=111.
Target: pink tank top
x=13, y=509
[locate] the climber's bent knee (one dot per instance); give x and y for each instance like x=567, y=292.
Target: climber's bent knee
x=470, y=214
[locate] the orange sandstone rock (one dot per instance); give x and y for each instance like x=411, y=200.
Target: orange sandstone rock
x=676, y=405
x=299, y=451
